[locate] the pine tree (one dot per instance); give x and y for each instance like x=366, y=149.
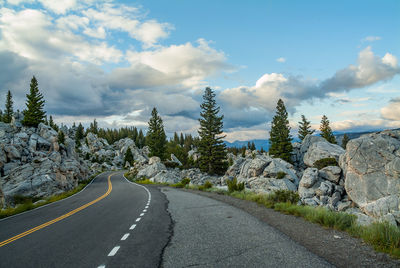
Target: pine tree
x=61, y=137
x=1, y=115
x=8, y=112
x=345, y=140
x=156, y=138
x=304, y=128
x=280, y=138
x=34, y=114
x=94, y=127
x=326, y=131
x=253, y=146
x=182, y=140
x=128, y=156
x=176, y=138
x=79, y=135
x=212, y=149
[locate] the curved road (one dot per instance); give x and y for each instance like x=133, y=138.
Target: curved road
x=105, y=233
x=116, y=223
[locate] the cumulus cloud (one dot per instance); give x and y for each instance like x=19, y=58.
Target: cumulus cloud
x=392, y=110
x=127, y=19
x=264, y=95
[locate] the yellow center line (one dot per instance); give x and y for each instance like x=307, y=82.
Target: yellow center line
x=5, y=242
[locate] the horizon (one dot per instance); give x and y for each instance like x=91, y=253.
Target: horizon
x=114, y=61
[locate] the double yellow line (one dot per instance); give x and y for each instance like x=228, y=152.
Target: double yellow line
x=5, y=242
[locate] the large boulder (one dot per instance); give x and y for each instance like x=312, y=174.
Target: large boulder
x=320, y=150
x=372, y=172
x=151, y=170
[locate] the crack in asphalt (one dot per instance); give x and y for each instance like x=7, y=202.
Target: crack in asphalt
x=170, y=230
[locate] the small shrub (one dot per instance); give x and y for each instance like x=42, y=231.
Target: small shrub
x=207, y=185
x=170, y=164
x=280, y=175
x=284, y=196
x=325, y=162
x=182, y=183
x=234, y=186
x=230, y=161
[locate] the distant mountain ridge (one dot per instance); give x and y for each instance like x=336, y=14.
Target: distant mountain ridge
x=265, y=143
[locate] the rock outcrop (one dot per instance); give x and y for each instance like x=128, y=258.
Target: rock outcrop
x=371, y=167
x=33, y=163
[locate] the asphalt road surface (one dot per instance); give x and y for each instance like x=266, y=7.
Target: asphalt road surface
x=109, y=224
x=116, y=223
x=209, y=233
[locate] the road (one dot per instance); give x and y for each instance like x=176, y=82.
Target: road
x=92, y=236
x=116, y=223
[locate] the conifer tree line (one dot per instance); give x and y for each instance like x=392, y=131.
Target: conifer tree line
x=210, y=145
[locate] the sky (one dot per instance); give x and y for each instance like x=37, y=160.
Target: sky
x=116, y=60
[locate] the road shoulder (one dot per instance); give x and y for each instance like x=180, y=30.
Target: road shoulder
x=344, y=251
x=210, y=233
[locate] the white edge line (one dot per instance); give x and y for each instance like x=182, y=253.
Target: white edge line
x=113, y=251
x=12, y=216
x=147, y=190
x=125, y=236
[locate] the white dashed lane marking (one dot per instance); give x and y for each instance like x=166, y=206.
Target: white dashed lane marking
x=101, y=266
x=144, y=210
x=132, y=227
x=125, y=237
x=138, y=219
x=142, y=214
x=113, y=251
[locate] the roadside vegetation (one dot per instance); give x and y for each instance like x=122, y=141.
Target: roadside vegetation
x=381, y=235
x=24, y=203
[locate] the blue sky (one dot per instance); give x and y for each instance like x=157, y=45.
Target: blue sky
x=115, y=60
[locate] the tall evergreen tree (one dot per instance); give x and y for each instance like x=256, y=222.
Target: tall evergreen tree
x=280, y=138
x=79, y=135
x=34, y=113
x=94, y=127
x=128, y=156
x=345, y=140
x=212, y=149
x=305, y=128
x=8, y=112
x=156, y=138
x=326, y=131
x=1, y=115
x=253, y=146
x=61, y=137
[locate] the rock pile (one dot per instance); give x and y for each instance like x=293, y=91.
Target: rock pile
x=33, y=163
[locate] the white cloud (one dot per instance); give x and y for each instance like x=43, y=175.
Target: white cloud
x=247, y=134
x=186, y=64
x=371, y=38
x=44, y=40
x=392, y=110
x=281, y=59
x=126, y=19
x=264, y=95
x=59, y=6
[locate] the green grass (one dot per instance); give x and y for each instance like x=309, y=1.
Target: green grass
x=26, y=203
x=382, y=236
